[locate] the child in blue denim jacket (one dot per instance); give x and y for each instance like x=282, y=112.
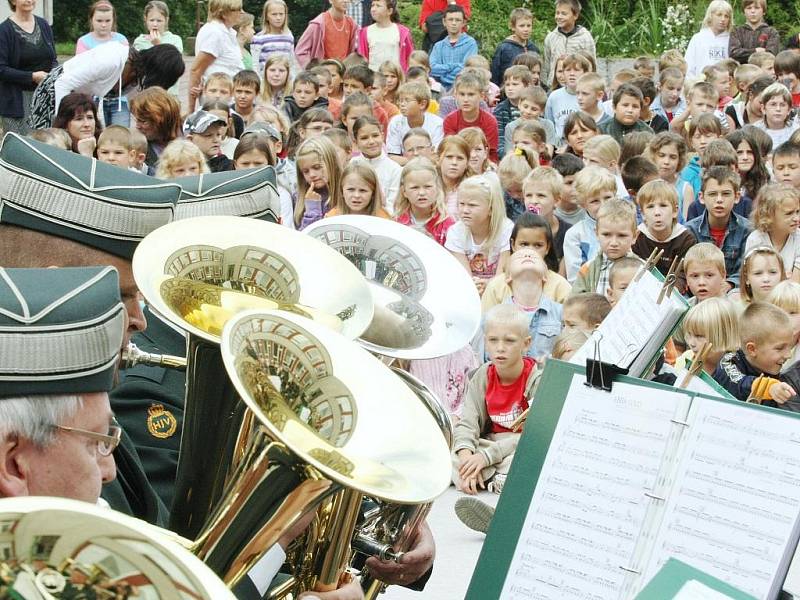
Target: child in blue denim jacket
x=718, y=223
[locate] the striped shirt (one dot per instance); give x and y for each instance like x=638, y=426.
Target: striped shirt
x=265, y=44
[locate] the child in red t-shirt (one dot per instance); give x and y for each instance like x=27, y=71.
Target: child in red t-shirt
x=468, y=91
x=498, y=393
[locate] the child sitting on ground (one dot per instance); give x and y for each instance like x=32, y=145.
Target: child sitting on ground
x=658, y=202
x=786, y=295
x=718, y=223
x=594, y=186
x=766, y=343
x=616, y=227
x=114, y=146
x=715, y=321
x=584, y=312
x=776, y=219
x=530, y=231
x=622, y=273
x=498, y=393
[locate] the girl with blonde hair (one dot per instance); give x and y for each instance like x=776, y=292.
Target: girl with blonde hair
x=319, y=181
x=710, y=44
x=361, y=193
x=277, y=79
x=420, y=199
x=714, y=320
x=181, y=158
x=480, y=239
x=275, y=38
x=776, y=218
x=453, y=162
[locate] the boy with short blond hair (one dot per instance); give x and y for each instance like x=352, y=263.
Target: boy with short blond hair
x=542, y=190
x=567, y=38
x=468, y=91
x=519, y=42
x=594, y=186
x=616, y=228
x=672, y=58
x=412, y=99
x=754, y=36
x=767, y=342
x=718, y=223
x=515, y=81
x=217, y=86
x=139, y=144
x=499, y=392
x=590, y=92
x=115, y=147
x=704, y=268
x=658, y=204
x=563, y=101
x=743, y=76
x=531, y=104
x=786, y=164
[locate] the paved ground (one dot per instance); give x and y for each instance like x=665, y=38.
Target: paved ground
x=457, y=550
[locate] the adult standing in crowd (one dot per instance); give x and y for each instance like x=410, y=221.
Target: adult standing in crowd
x=216, y=48
x=157, y=115
x=110, y=67
x=27, y=55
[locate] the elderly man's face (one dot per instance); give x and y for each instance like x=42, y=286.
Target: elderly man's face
x=71, y=466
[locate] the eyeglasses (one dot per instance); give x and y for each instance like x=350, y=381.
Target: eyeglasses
x=418, y=149
x=106, y=443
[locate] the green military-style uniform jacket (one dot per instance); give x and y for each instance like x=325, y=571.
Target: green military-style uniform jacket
x=148, y=403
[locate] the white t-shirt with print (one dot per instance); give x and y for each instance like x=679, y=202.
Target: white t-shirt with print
x=482, y=261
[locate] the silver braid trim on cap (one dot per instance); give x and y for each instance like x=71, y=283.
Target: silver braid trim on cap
x=62, y=354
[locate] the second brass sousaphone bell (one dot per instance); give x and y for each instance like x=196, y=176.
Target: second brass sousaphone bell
x=426, y=305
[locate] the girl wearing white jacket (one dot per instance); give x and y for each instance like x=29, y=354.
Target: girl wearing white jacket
x=710, y=44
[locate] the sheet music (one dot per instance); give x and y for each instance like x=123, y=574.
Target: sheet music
x=736, y=498
x=632, y=323
x=587, y=511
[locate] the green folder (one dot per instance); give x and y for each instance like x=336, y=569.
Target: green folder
x=675, y=574
x=506, y=529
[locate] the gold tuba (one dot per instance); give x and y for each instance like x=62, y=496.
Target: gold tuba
x=54, y=546
x=235, y=468
x=347, y=417
x=197, y=273
x=426, y=306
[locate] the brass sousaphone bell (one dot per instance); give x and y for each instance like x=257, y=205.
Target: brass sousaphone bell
x=59, y=548
x=426, y=306
x=196, y=274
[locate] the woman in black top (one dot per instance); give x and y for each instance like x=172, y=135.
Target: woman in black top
x=27, y=54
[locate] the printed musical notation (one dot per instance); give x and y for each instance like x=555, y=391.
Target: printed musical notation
x=736, y=497
x=634, y=324
x=589, y=505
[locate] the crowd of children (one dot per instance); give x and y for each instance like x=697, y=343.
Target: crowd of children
x=547, y=186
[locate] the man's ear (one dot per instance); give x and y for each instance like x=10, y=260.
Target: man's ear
x=13, y=482
x=700, y=198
